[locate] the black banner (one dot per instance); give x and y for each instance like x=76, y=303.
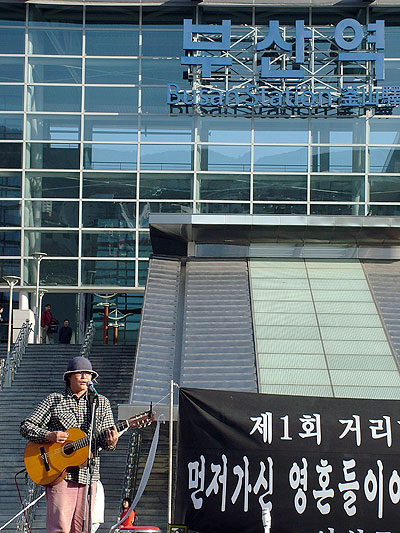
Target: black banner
x=320, y=465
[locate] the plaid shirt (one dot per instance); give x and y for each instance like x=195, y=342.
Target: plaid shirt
x=62, y=411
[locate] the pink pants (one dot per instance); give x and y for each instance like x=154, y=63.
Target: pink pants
x=65, y=507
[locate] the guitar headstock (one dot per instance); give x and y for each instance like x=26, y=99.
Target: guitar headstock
x=141, y=420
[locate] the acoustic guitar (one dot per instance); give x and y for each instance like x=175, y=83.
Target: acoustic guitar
x=48, y=462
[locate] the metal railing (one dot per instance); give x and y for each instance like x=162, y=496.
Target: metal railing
x=88, y=340
x=9, y=366
x=25, y=521
x=132, y=464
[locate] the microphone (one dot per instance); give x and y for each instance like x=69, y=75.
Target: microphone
x=90, y=387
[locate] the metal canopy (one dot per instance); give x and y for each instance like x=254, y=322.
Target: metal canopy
x=176, y=230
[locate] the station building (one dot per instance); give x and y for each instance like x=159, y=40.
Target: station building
x=220, y=134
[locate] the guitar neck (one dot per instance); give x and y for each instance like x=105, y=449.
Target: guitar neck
x=81, y=443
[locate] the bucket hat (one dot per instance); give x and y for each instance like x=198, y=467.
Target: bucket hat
x=80, y=364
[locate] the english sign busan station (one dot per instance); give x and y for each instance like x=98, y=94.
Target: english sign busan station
x=274, y=70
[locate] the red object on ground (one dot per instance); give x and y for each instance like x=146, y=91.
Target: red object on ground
x=140, y=529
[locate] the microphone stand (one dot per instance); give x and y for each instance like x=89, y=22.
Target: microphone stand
x=93, y=401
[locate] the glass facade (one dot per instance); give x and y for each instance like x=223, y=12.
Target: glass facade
x=89, y=146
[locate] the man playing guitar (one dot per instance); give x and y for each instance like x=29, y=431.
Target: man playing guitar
x=49, y=423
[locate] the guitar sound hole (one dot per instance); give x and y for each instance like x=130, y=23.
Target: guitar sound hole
x=68, y=449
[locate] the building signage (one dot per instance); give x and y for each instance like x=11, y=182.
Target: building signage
x=296, y=70
x=317, y=465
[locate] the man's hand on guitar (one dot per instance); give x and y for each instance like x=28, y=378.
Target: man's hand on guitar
x=57, y=436
x=112, y=437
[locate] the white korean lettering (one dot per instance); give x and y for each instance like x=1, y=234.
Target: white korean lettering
x=298, y=478
x=349, y=487
x=220, y=479
x=352, y=425
x=311, y=426
x=324, y=469
x=196, y=480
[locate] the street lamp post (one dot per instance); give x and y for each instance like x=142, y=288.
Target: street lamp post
x=37, y=256
x=11, y=281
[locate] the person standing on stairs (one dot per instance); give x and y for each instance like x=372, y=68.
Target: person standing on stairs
x=46, y=322
x=50, y=422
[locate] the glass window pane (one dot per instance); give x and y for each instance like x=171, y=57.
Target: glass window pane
x=224, y=208
x=145, y=248
x=279, y=209
x=10, y=267
x=54, y=70
x=112, y=43
x=52, y=155
x=10, y=184
x=223, y=186
x=40, y=15
x=50, y=213
x=108, y=273
x=55, y=42
x=109, y=185
x=53, y=272
x=172, y=17
x=11, y=69
x=108, y=244
x=117, y=16
x=340, y=131
x=392, y=42
x=166, y=186
x=10, y=243
x=154, y=100
x=161, y=43
x=338, y=188
x=164, y=129
x=111, y=99
x=145, y=208
x=337, y=209
x=55, y=243
x=392, y=72
x=11, y=126
x=281, y=131
x=13, y=14
x=143, y=267
x=109, y=214
x=161, y=71
x=110, y=156
x=51, y=184
x=280, y=158
x=10, y=155
x=384, y=210
x=235, y=130
x=53, y=98
x=166, y=157
x=384, y=159
x=338, y=159
x=12, y=41
x=53, y=127
x=214, y=157
x=384, y=188
x=11, y=98
x=112, y=71
x=280, y=187
x=111, y=128
x=10, y=213
x=384, y=131
x=213, y=15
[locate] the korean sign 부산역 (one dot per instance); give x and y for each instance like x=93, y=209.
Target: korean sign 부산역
x=319, y=465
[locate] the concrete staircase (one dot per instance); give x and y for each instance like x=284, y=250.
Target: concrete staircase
x=41, y=372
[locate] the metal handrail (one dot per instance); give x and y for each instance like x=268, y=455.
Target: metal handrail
x=25, y=521
x=9, y=366
x=18, y=350
x=88, y=340
x=132, y=464
x=2, y=373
